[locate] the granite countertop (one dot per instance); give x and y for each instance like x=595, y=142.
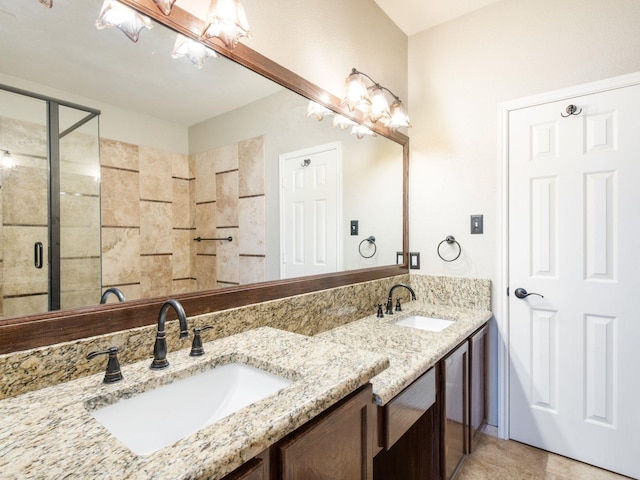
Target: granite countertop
x=410, y=351
x=49, y=433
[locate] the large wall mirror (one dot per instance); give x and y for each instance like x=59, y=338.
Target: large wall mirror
x=221, y=154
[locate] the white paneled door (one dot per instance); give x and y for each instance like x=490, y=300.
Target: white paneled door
x=310, y=211
x=574, y=224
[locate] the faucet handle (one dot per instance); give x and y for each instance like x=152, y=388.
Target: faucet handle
x=380, y=314
x=398, y=306
x=113, y=373
x=196, y=345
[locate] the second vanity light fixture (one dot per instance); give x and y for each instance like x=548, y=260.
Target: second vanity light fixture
x=372, y=101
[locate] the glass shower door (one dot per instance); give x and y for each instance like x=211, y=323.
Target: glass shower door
x=24, y=205
x=49, y=205
x=79, y=174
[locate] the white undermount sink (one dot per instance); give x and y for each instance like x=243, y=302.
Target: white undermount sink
x=154, y=419
x=425, y=323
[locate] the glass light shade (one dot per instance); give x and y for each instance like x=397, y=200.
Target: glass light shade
x=47, y=3
x=356, y=95
x=165, y=6
x=227, y=21
x=6, y=161
x=343, y=122
x=316, y=110
x=360, y=131
x=399, y=116
x=194, y=51
x=115, y=14
x=379, y=105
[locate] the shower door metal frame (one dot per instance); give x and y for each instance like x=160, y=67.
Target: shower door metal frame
x=53, y=159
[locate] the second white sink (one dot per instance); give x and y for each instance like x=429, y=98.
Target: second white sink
x=425, y=323
x=154, y=419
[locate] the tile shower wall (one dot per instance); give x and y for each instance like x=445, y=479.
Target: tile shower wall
x=230, y=202
x=154, y=203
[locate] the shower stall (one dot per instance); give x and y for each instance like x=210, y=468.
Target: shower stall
x=49, y=204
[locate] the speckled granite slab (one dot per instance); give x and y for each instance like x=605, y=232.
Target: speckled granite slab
x=307, y=314
x=410, y=351
x=49, y=433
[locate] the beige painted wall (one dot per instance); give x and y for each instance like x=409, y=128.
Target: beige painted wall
x=322, y=40
x=460, y=72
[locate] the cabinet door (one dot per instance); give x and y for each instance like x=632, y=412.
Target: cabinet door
x=337, y=446
x=255, y=469
x=455, y=369
x=478, y=348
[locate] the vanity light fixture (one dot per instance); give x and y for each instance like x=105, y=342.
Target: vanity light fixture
x=6, y=161
x=115, y=14
x=226, y=21
x=165, y=6
x=46, y=3
x=361, y=131
x=194, y=51
x=319, y=112
x=372, y=101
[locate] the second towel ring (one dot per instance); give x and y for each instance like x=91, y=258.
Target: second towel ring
x=450, y=239
x=372, y=241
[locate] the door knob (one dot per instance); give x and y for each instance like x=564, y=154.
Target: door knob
x=522, y=293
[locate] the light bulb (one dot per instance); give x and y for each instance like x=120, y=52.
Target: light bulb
x=130, y=22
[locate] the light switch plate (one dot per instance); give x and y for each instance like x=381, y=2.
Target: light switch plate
x=354, y=227
x=477, y=224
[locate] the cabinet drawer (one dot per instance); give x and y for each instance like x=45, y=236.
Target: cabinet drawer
x=407, y=407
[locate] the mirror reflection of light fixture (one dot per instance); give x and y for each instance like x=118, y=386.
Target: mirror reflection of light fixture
x=227, y=21
x=6, y=161
x=47, y=3
x=165, y=6
x=115, y=14
x=361, y=131
x=194, y=51
x=318, y=111
x=372, y=101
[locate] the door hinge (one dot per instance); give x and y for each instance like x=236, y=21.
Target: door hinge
x=507, y=291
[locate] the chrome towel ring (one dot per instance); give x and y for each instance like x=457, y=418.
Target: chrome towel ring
x=372, y=241
x=449, y=240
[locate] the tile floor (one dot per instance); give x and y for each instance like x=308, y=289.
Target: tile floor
x=495, y=459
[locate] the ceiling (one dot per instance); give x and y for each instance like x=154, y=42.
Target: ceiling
x=415, y=16
x=61, y=48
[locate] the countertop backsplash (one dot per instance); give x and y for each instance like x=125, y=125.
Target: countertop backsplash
x=307, y=314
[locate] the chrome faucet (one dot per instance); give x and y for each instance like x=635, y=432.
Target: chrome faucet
x=113, y=290
x=389, y=309
x=160, y=347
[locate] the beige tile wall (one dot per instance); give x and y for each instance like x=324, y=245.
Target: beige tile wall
x=146, y=220
x=154, y=203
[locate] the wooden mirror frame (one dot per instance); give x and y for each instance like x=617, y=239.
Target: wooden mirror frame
x=22, y=333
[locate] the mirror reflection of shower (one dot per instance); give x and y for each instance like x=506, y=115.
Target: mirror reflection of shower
x=49, y=204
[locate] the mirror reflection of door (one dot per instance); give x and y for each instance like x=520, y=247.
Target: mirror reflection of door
x=50, y=206
x=310, y=206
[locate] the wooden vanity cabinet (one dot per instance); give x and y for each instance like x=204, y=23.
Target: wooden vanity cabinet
x=408, y=433
x=478, y=404
x=463, y=392
x=454, y=393
x=336, y=445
